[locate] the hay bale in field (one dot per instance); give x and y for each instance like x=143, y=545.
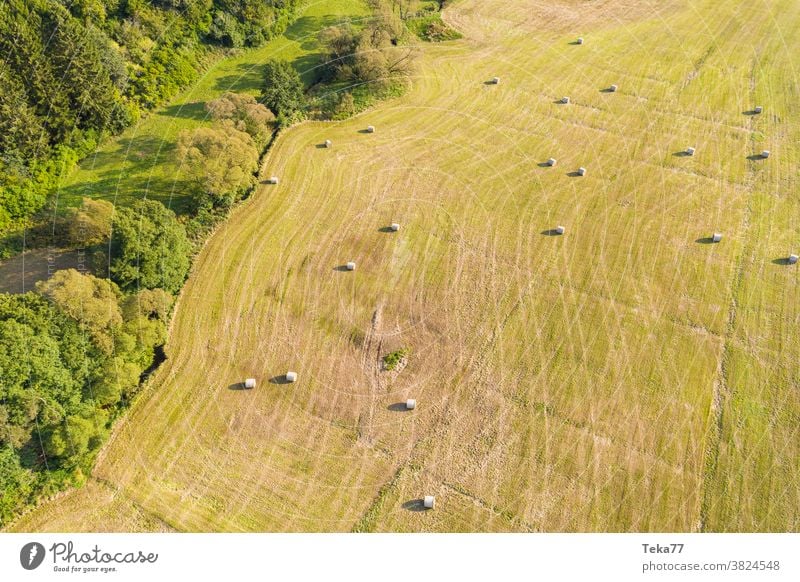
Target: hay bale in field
x=716, y=237
x=370, y=129
x=792, y=259
x=291, y=376
x=689, y=151
x=495, y=80
x=581, y=171
x=411, y=404
x=394, y=227
x=328, y=143
x=579, y=40
x=351, y=266
x=758, y=109
x=429, y=502
x=565, y=100
x=250, y=383
x=272, y=180
x=560, y=230
x=765, y=154
x=613, y=88
x=552, y=162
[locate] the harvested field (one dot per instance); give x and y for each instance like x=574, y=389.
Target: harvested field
x=622, y=377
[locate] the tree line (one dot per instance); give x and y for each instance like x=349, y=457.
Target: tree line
x=74, y=71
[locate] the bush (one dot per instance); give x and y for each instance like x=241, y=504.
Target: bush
x=391, y=360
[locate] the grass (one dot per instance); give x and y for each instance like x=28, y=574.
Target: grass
x=392, y=359
x=622, y=377
x=142, y=162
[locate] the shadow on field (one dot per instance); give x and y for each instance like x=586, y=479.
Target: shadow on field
x=550, y=232
x=387, y=229
x=364, y=131
x=341, y=269
x=682, y=154
x=544, y=165
x=279, y=380
x=574, y=174
x=781, y=261
x=247, y=77
x=414, y=505
x=398, y=407
x=574, y=43
x=750, y=112
x=706, y=240
x=310, y=67
x=321, y=146
x=756, y=157
x=196, y=111
x=607, y=90
x=237, y=386
x=305, y=29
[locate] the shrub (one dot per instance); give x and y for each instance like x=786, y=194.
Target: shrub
x=392, y=359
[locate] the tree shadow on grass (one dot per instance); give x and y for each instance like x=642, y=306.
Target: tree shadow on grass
x=306, y=28
x=248, y=77
x=196, y=111
x=310, y=68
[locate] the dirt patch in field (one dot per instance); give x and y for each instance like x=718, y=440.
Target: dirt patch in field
x=21, y=273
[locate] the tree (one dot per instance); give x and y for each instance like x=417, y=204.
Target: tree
x=15, y=484
x=92, y=302
x=149, y=303
x=149, y=248
x=283, y=91
x=247, y=114
x=115, y=379
x=90, y=224
x=221, y=159
x=373, y=54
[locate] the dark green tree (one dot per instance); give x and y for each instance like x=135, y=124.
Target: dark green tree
x=149, y=248
x=283, y=91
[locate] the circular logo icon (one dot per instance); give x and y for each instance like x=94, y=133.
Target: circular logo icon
x=31, y=555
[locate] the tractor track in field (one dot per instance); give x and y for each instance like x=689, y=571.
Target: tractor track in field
x=721, y=388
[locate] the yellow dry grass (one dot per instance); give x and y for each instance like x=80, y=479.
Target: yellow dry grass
x=622, y=377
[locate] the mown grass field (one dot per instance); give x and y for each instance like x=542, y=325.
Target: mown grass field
x=626, y=376
x=143, y=161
